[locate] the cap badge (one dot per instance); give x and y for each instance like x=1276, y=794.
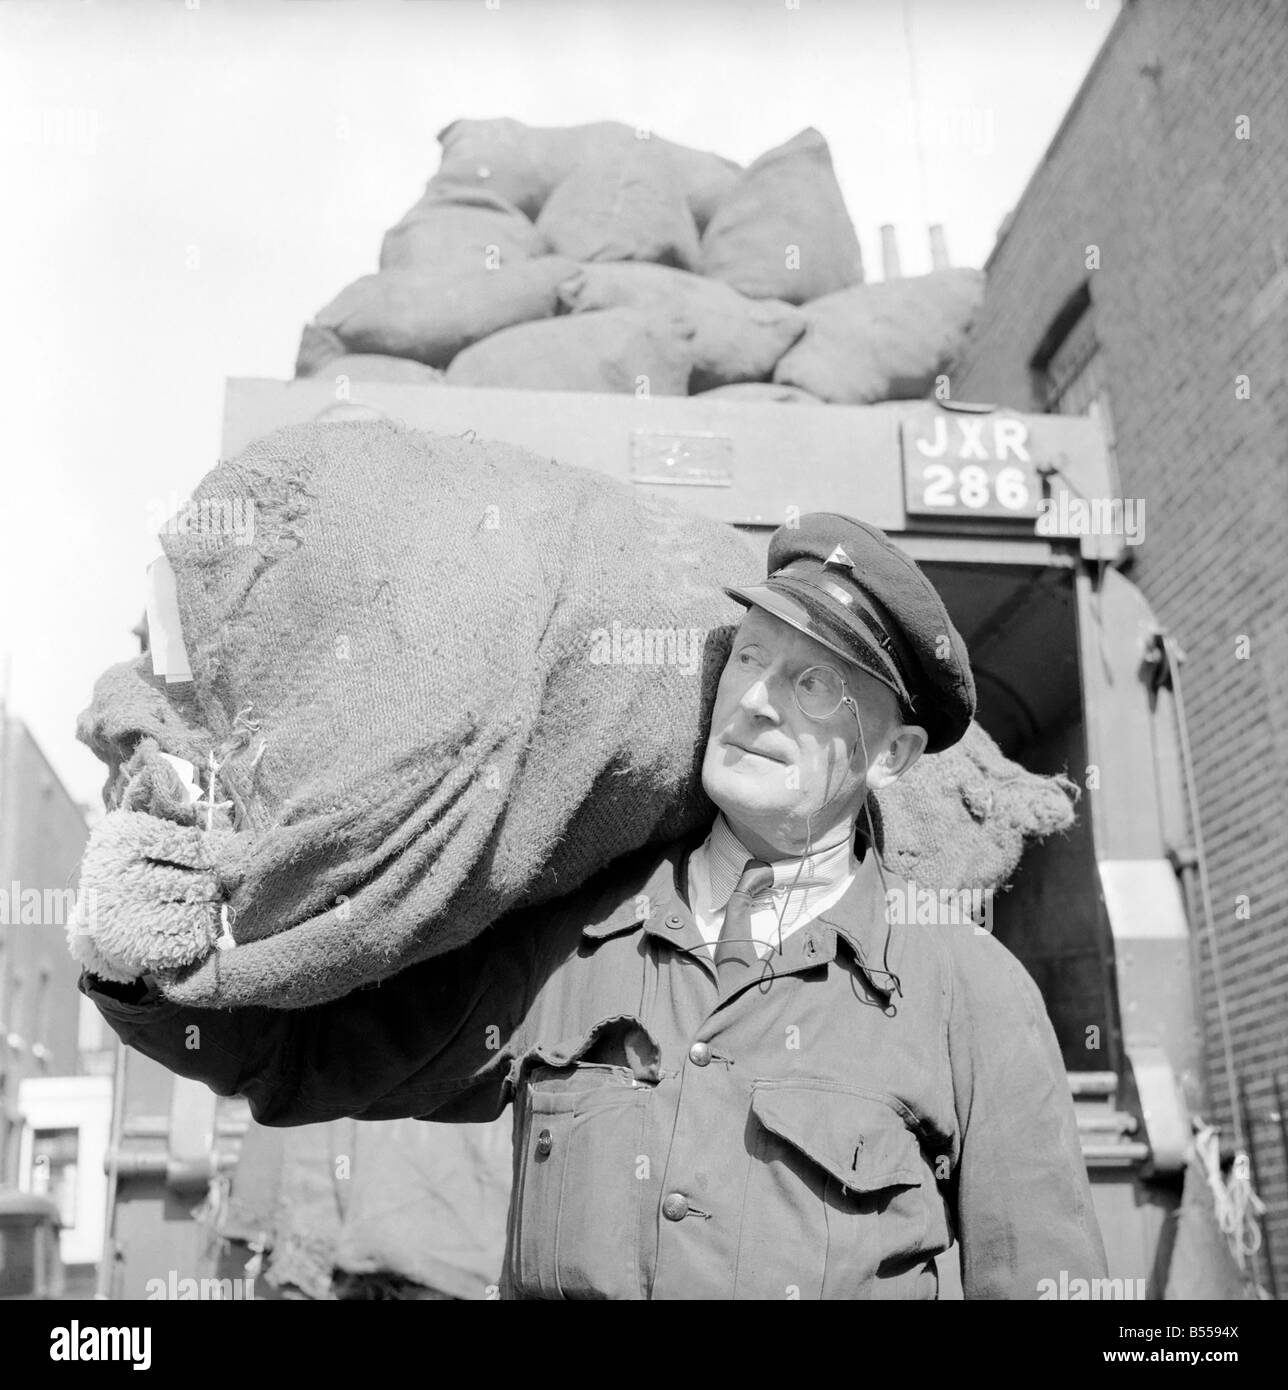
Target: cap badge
x=839, y=558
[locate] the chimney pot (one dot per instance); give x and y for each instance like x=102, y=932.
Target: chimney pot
x=889, y=253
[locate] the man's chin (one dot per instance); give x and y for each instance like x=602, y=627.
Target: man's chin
x=746, y=787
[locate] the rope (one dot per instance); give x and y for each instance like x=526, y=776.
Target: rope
x=1236, y=1206
x=1174, y=658
x=211, y=1214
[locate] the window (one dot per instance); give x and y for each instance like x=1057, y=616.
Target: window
x=1069, y=367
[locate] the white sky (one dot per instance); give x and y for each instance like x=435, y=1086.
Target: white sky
x=187, y=181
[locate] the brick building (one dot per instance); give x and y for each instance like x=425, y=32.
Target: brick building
x=1144, y=276
x=55, y=1052
x=42, y=837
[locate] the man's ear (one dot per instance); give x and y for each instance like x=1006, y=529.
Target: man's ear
x=903, y=746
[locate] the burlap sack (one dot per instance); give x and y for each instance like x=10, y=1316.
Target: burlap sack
x=783, y=232
x=458, y=229
x=960, y=818
x=318, y=346
x=616, y=350
x=428, y=1202
x=431, y=316
x=497, y=155
x=366, y=366
x=626, y=209
x=290, y=1195
x=444, y=678
x=399, y=1198
x=524, y=164
x=734, y=338
x=1202, y=1265
x=441, y=680
x=885, y=341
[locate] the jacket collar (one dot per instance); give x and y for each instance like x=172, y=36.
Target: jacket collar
x=657, y=901
x=859, y=921
x=656, y=895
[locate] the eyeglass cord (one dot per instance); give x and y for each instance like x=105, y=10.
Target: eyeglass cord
x=876, y=857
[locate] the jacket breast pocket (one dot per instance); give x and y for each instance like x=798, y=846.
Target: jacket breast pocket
x=838, y=1196
x=575, y=1228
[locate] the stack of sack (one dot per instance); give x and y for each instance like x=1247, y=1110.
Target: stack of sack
x=349, y=1208
x=439, y=680
x=600, y=258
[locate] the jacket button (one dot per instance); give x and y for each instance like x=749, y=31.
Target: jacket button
x=675, y=1207
x=674, y=922
x=699, y=1054
x=544, y=1143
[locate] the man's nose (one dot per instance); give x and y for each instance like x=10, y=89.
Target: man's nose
x=761, y=698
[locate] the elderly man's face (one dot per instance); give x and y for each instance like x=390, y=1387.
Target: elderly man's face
x=777, y=774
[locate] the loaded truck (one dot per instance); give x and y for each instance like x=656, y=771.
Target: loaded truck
x=1013, y=517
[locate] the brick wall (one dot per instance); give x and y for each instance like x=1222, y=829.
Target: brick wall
x=1191, y=226
x=42, y=838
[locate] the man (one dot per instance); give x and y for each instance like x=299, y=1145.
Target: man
x=731, y=1076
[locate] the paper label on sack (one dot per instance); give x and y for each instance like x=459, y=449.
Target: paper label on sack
x=165, y=631
x=187, y=775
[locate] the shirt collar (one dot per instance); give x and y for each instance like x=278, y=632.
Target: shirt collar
x=727, y=856
x=653, y=899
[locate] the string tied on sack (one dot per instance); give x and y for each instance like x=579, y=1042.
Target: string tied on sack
x=1237, y=1207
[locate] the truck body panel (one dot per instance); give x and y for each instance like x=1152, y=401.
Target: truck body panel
x=1059, y=641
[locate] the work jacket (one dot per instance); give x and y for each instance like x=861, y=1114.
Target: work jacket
x=825, y=1130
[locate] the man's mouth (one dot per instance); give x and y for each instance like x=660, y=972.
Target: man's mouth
x=754, y=752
